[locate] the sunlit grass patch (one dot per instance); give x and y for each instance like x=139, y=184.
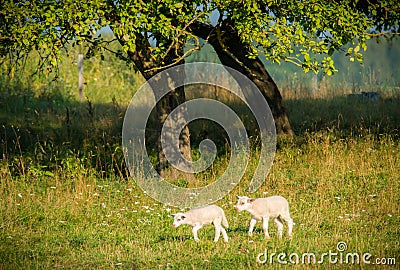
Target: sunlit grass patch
x=346, y=190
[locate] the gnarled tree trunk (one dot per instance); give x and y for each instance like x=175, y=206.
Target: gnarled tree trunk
x=232, y=53
x=148, y=68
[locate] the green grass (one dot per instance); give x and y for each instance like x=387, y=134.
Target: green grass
x=338, y=191
x=66, y=201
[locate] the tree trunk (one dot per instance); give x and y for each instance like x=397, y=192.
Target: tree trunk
x=146, y=65
x=232, y=53
x=164, y=108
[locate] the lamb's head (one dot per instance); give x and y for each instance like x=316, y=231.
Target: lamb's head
x=179, y=219
x=244, y=203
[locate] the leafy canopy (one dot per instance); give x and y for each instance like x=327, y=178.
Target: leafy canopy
x=305, y=33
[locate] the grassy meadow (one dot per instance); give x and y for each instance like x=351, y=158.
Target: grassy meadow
x=67, y=203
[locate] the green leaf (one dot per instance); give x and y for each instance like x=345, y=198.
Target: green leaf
x=178, y=5
x=349, y=51
x=307, y=57
x=25, y=41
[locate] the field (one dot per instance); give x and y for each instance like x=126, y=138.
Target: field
x=66, y=200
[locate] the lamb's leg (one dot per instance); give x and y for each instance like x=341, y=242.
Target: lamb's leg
x=217, y=226
x=290, y=223
x=279, y=224
x=224, y=234
x=265, y=227
x=253, y=222
x=195, y=229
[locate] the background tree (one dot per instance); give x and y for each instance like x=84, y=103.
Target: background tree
x=151, y=40
x=154, y=35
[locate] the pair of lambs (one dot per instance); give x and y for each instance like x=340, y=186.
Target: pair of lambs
x=275, y=207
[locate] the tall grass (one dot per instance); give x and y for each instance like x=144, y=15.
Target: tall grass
x=67, y=201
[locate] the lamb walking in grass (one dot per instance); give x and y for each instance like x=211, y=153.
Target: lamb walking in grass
x=275, y=207
x=197, y=217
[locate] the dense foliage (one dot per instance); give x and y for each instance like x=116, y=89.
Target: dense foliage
x=291, y=31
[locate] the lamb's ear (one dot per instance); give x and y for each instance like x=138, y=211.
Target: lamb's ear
x=251, y=200
x=183, y=217
x=172, y=215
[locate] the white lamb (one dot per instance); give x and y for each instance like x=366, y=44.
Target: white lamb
x=275, y=207
x=197, y=217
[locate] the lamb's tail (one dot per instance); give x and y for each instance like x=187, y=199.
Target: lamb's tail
x=224, y=221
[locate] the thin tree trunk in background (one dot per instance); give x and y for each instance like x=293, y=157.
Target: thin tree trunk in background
x=80, y=77
x=232, y=53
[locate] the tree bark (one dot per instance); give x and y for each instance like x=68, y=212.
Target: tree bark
x=232, y=53
x=147, y=67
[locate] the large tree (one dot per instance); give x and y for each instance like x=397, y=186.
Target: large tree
x=154, y=35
